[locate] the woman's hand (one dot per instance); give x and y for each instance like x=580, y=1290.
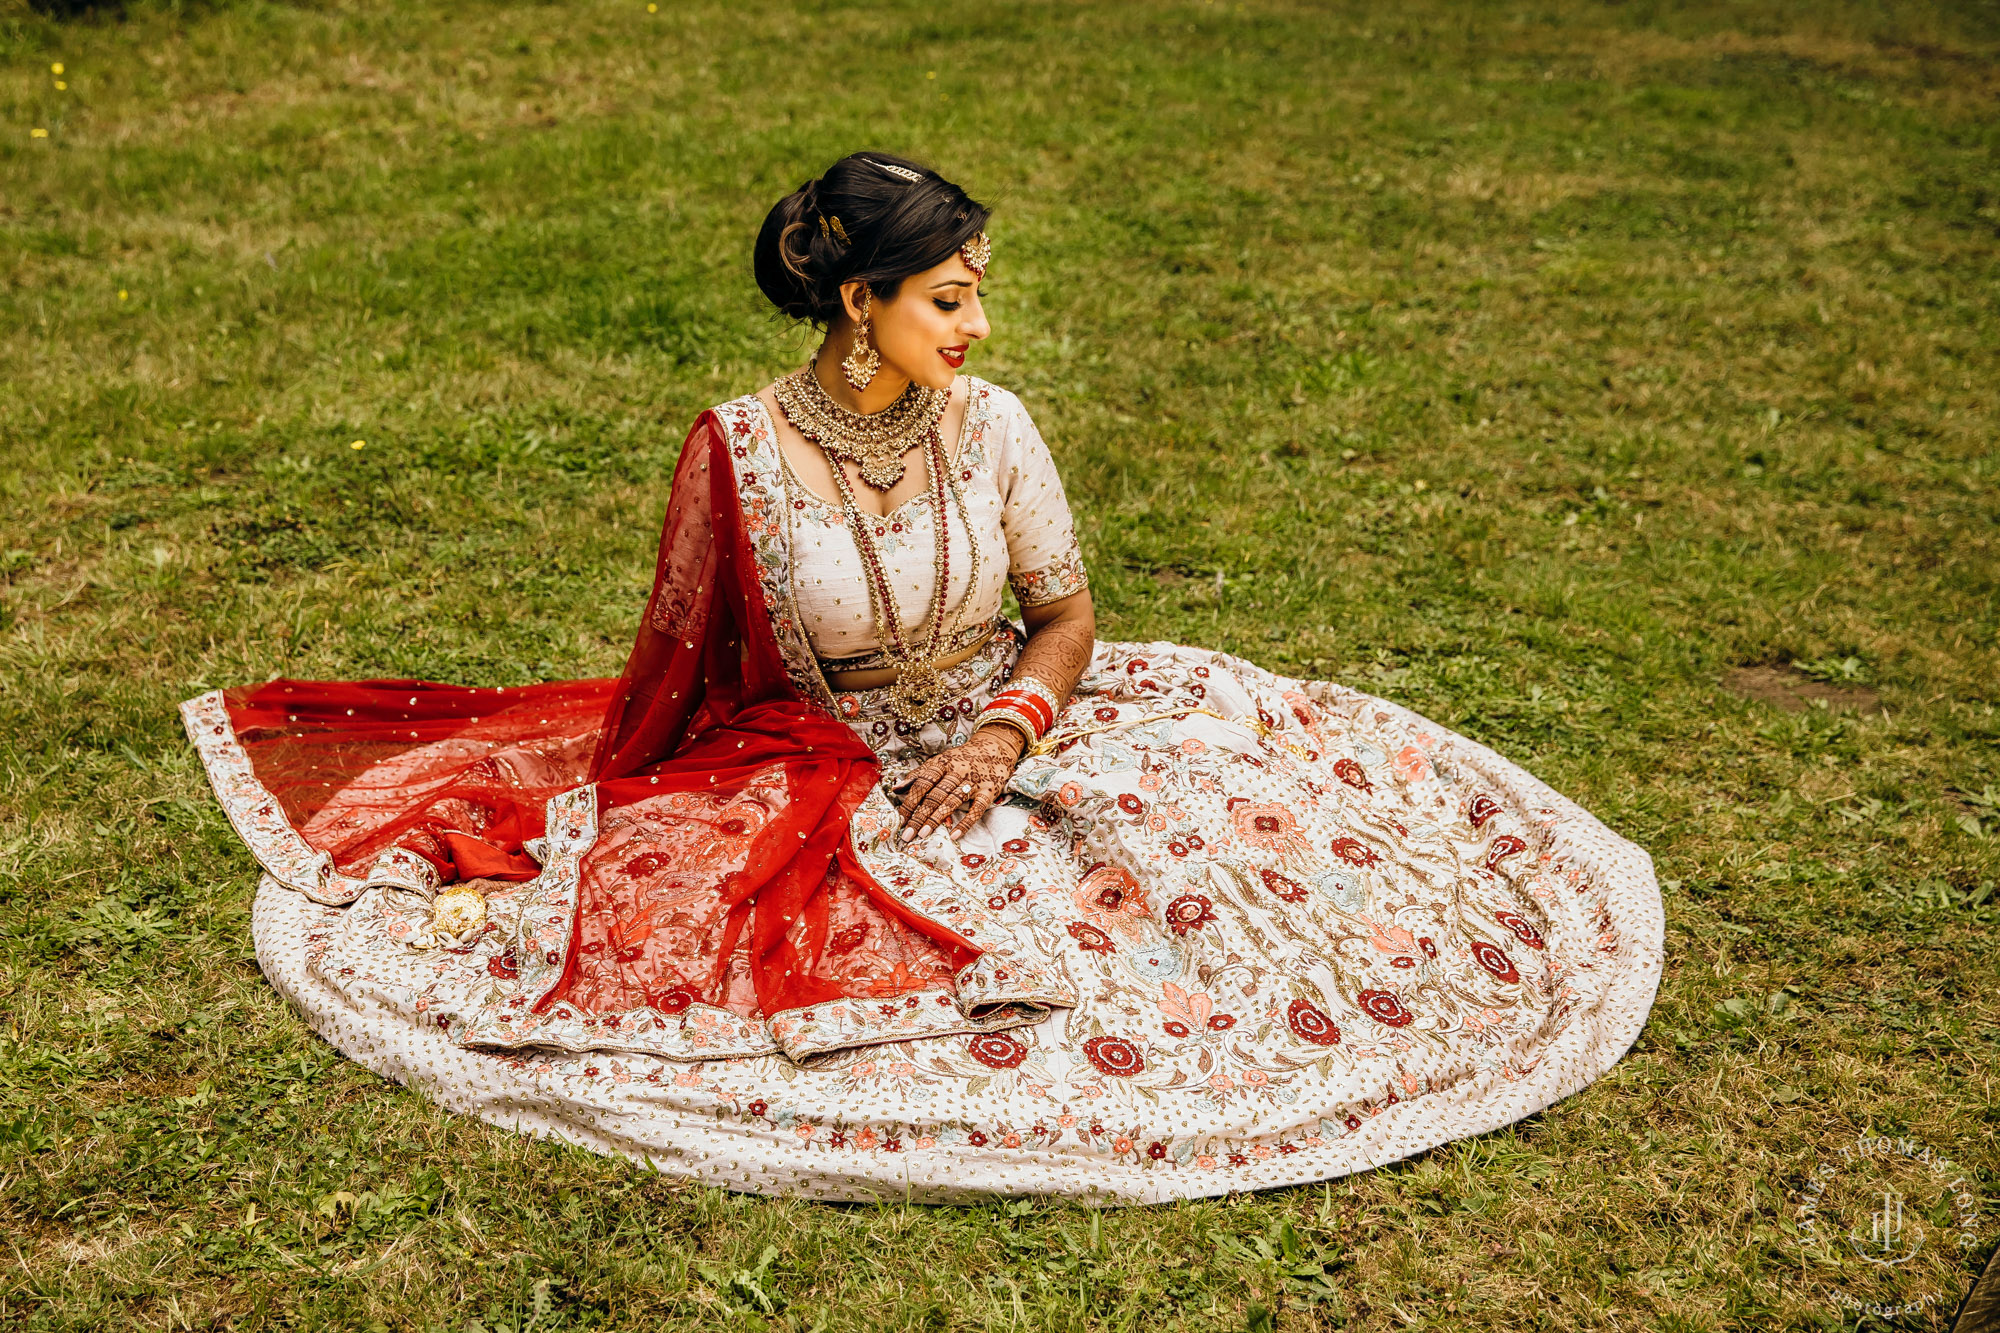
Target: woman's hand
x=970, y=776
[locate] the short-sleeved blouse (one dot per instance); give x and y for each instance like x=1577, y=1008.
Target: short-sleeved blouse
x=1020, y=520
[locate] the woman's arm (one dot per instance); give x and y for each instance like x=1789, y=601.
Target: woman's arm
x=1062, y=635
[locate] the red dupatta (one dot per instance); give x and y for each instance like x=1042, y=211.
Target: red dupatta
x=719, y=872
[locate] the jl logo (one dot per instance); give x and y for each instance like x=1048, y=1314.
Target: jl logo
x=1891, y=1239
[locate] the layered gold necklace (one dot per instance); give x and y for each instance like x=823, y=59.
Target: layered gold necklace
x=875, y=442
x=919, y=685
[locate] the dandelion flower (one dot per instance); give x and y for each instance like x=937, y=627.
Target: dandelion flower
x=359, y=444
x=38, y=133
x=61, y=87
x=122, y=293
x=652, y=9
x=56, y=68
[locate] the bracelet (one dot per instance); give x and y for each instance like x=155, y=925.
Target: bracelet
x=1039, y=690
x=1020, y=703
x=1014, y=722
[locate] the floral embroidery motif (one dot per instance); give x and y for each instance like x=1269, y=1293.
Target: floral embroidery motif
x=1063, y=577
x=1309, y=1024
x=1189, y=912
x=1114, y=1056
x=1384, y=1007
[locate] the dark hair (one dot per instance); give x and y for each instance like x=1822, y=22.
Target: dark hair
x=895, y=227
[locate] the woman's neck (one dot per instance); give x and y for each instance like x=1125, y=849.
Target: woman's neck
x=882, y=390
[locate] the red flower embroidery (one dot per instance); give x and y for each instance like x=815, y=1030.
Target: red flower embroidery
x=1284, y=886
x=1494, y=961
x=1015, y=846
x=1403, y=962
x=1310, y=1024
x=1114, y=1056
x=1106, y=714
x=996, y=1050
x=972, y=860
x=1353, y=774
x=1176, y=1029
x=1354, y=852
x=1189, y=912
x=642, y=865
x=1482, y=808
x=1222, y=1022
x=503, y=966
x=1270, y=827
x=1424, y=943
x=1384, y=1007
x=1090, y=938
x=675, y=1001
x=1523, y=932
x=1178, y=848
x=976, y=1139
x=1158, y=1151
x=848, y=938
x=1131, y=804
x=1503, y=846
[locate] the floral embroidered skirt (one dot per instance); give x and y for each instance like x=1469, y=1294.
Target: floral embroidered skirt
x=1267, y=931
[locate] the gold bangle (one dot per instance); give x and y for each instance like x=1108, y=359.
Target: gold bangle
x=1020, y=726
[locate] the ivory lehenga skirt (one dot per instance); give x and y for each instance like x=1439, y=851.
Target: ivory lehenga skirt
x=1301, y=931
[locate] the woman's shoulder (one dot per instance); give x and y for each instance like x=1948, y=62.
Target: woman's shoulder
x=745, y=408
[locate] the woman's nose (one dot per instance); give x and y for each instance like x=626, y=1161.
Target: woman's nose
x=976, y=327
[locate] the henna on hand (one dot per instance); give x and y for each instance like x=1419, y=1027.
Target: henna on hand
x=1062, y=636
x=939, y=786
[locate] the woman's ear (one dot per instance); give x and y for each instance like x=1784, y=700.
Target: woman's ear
x=851, y=296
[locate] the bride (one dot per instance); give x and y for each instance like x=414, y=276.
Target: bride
x=853, y=886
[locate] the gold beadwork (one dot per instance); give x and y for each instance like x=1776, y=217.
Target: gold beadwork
x=976, y=252
x=862, y=360
x=873, y=441
x=919, y=685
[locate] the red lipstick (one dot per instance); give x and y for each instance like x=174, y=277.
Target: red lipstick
x=954, y=356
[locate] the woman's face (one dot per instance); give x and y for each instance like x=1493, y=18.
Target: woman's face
x=924, y=332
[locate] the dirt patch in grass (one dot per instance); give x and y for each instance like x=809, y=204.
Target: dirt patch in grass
x=1794, y=691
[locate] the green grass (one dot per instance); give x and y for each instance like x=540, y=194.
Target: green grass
x=1532, y=365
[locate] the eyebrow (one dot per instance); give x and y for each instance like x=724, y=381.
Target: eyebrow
x=954, y=282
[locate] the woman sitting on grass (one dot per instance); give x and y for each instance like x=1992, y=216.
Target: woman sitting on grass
x=855, y=886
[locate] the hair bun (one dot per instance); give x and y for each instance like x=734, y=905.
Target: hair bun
x=871, y=215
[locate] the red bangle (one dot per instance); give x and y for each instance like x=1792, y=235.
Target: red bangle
x=1025, y=707
x=1030, y=706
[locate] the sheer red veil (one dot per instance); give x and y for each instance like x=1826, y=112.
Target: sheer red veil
x=721, y=871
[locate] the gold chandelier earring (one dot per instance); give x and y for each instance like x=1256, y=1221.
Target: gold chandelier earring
x=862, y=360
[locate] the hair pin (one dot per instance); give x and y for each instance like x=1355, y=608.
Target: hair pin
x=904, y=172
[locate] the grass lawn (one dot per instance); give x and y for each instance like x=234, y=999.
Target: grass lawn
x=1614, y=383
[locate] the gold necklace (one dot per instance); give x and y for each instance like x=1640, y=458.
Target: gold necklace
x=875, y=442
x=919, y=684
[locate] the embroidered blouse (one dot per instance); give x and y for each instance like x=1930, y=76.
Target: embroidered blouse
x=1020, y=519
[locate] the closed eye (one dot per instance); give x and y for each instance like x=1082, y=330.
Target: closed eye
x=953, y=305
